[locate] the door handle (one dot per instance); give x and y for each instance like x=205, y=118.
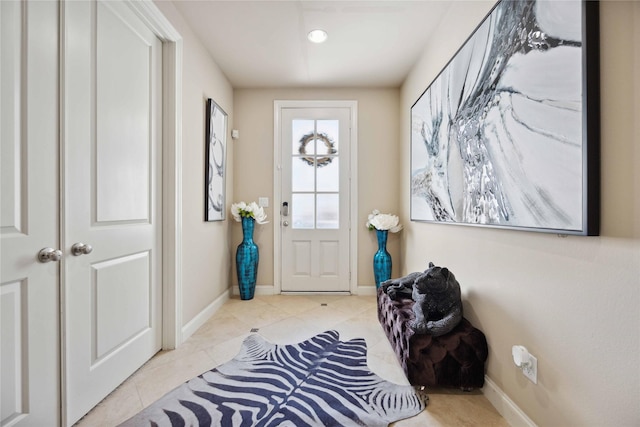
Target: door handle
x=81, y=249
x=49, y=254
x=285, y=212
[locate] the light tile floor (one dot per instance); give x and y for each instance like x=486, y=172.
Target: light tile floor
x=284, y=319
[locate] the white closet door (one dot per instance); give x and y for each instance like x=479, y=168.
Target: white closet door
x=111, y=139
x=29, y=221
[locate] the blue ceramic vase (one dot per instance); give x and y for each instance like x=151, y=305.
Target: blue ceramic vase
x=247, y=261
x=382, y=259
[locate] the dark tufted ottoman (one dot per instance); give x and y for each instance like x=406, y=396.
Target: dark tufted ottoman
x=455, y=359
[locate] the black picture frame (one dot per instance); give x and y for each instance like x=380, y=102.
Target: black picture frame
x=508, y=134
x=215, y=163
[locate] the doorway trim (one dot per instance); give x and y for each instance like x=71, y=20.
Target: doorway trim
x=278, y=106
x=172, y=49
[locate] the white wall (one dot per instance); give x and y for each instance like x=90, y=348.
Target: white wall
x=206, y=254
x=378, y=165
x=573, y=302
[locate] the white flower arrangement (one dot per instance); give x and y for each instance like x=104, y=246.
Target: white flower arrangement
x=380, y=221
x=252, y=210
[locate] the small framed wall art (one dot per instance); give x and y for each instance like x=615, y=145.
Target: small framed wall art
x=215, y=166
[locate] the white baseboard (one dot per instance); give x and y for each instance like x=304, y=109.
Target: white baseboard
x=260, y=290
x=367, y=290
x=505, y=406
x=204, y=315
x=263, y=290
x=269, y=290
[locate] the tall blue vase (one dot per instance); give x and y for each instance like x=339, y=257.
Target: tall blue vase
x=247, y=261
x=382, y=259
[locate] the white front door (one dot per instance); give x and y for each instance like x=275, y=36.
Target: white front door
x=111, y=141
x=315, y=149
x=29, y=289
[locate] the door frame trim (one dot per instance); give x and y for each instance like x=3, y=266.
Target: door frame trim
x=172, y=48
x=278, y=106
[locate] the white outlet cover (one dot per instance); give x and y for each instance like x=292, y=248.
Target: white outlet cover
x=530, y=370
x=263, y=202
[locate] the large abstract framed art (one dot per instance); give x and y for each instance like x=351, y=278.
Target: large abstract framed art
x=507, y=135
x=215, y=167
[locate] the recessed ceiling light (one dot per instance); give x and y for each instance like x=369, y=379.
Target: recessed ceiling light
x=317, y=36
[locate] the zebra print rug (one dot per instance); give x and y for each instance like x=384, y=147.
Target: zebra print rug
x=319, y=382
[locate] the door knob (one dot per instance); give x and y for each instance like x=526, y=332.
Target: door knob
x=285, y=223
x=49, y=254
x=80, y=249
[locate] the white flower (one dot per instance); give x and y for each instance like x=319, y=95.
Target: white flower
x=371, y=216
x=252, y=210
x=380, y=221
x=259, y=215
x=236, y=208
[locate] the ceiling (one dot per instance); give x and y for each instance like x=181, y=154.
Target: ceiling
x=264, y=43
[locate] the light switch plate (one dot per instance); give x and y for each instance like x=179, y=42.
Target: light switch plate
x=263, y=202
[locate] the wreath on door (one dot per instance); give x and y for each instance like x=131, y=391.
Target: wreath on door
x=316, y=160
